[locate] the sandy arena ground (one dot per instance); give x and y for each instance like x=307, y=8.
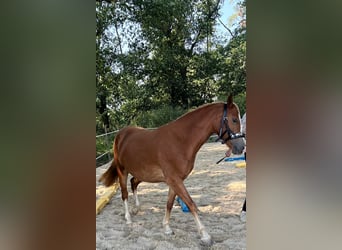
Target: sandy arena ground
x=218, y=190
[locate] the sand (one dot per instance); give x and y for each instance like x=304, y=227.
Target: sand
x=218, y=190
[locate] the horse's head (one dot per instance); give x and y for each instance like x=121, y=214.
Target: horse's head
x=230, y=127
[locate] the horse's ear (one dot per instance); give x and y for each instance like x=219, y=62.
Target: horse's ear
x=230, y=100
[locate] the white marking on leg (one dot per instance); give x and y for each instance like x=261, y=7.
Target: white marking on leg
x=127, y=215
x=205, y=237
x=135, y=194
x=166, y=220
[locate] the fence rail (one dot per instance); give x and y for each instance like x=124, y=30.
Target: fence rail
x=108, y=145
x=98, y=136
x=102, y=155
x=105, y=143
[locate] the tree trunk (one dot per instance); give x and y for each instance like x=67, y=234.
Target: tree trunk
x=103, y=111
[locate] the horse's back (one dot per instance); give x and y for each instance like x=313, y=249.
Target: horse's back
x=131, y=137
x=131, y=130
x=126, y=132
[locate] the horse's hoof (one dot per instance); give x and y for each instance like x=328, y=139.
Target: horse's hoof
x=168, y=231
x=128, y=218
x=135, y=210
x=206, y=241
x=243, y=216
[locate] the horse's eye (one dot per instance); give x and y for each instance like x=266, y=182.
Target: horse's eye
x=235, y=120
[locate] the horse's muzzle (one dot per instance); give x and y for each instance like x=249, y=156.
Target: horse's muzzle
x=238, y=146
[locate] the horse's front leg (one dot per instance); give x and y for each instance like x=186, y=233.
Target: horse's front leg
x=181, y=191
x=169, y=205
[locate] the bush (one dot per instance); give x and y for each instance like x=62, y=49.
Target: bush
x=158, y=117
x=103, y=145
x=240, y=100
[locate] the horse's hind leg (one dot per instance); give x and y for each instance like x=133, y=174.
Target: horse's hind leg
x=134, y=185
x=169, y=205
x=124, y=193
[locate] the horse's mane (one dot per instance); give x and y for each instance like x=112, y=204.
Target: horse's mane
x=200, y=108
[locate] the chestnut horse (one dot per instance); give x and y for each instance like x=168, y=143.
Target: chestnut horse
x=167, y=154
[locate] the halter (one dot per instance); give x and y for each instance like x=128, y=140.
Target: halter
x=228, y=131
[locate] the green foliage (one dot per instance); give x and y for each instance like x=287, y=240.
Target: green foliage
x=157, y=59
x=157, y=117
x=240, y=100
x=233, y=65
x=104, y=144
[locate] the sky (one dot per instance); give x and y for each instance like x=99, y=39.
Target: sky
x=226, y=12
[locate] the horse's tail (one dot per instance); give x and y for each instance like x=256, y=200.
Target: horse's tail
x=109, y=177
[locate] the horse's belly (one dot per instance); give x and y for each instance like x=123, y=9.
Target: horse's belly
x=148, y=174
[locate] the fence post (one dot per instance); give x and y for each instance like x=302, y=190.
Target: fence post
x=107, y=144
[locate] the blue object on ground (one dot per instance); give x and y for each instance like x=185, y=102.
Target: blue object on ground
x=182, y=204
x=242, y=158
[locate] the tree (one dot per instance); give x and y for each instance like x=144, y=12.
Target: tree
x=233, y=60
x=152, y=55
x=176, y=31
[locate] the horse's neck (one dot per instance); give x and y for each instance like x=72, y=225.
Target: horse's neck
x=198, y=125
